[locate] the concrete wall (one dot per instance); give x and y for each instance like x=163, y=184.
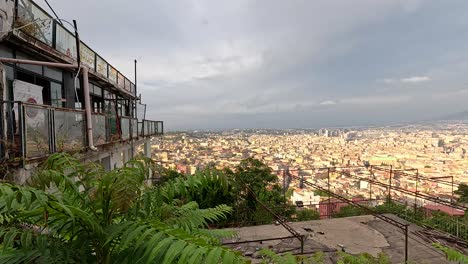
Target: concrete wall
x=6, y=17
x=110, y=157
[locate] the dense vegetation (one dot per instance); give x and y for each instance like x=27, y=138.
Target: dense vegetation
x=306, y=215
x=75, y=213
x=72, y=212
x=247, y=189
x=457, y=226
x=462, y=192
x=349, y=210
x=69, y=212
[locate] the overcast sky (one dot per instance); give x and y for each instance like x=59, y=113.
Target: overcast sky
x=274, y=64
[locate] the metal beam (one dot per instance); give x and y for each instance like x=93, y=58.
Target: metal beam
x=405, y=191
x=351, y=202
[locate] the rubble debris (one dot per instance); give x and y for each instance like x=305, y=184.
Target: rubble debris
x=435, y=236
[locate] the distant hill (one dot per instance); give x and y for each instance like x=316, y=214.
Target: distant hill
x=456, y=116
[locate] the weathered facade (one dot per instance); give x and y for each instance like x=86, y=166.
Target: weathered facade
x=57, y=94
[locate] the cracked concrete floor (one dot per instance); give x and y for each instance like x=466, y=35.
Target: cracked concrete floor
x=356, y=235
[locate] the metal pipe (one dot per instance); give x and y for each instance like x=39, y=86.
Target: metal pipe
x=136, y=85
x=89, y=126
x=42, y=63
x=78, y=61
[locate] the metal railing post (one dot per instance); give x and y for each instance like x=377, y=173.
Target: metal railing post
x=22, y=132
x=329, y=197
x=370, y=185
x=302, y=180
x=54, y=34
x=406, y=243
x=52, y=139
x=416, y=193
x=2, y=131
x=390, y=185
x=451, y=197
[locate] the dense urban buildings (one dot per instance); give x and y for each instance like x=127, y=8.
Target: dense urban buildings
x=432, y=149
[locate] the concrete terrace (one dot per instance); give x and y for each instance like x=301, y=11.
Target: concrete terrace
x=357, y=234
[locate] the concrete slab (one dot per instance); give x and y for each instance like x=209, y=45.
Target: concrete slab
x=354, y=235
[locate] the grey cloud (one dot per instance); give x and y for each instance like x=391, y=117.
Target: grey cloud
x=222, y=64
x=412, y=79
x=416, y=79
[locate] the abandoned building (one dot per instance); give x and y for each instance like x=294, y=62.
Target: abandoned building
x=58, y=95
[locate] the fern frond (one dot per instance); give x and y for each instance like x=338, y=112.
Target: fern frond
x=196, y=218
x=25, y=245
x=217, y=233
x=159, y=243
x=126, y=187
x=72, y=212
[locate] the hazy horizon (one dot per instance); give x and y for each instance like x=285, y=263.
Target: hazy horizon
x=331, y=127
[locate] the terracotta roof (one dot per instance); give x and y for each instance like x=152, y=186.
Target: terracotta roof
x=445, y=209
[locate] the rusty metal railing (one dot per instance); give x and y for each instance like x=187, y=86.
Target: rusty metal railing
x=32, y=131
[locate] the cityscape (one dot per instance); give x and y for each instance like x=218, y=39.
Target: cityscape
x=435, y=150
x=272, y=132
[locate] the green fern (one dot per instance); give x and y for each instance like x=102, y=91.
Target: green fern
x=73, y=212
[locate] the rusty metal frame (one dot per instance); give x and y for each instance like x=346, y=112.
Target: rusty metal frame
x=402, y=226
x=416, y=194
x=280, y=220
x=386, y=185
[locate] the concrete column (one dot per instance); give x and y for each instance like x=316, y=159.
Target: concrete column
x=131, y=153
x=106, y=163
x=116, y=158
x=125, y=155
x=148, y=148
